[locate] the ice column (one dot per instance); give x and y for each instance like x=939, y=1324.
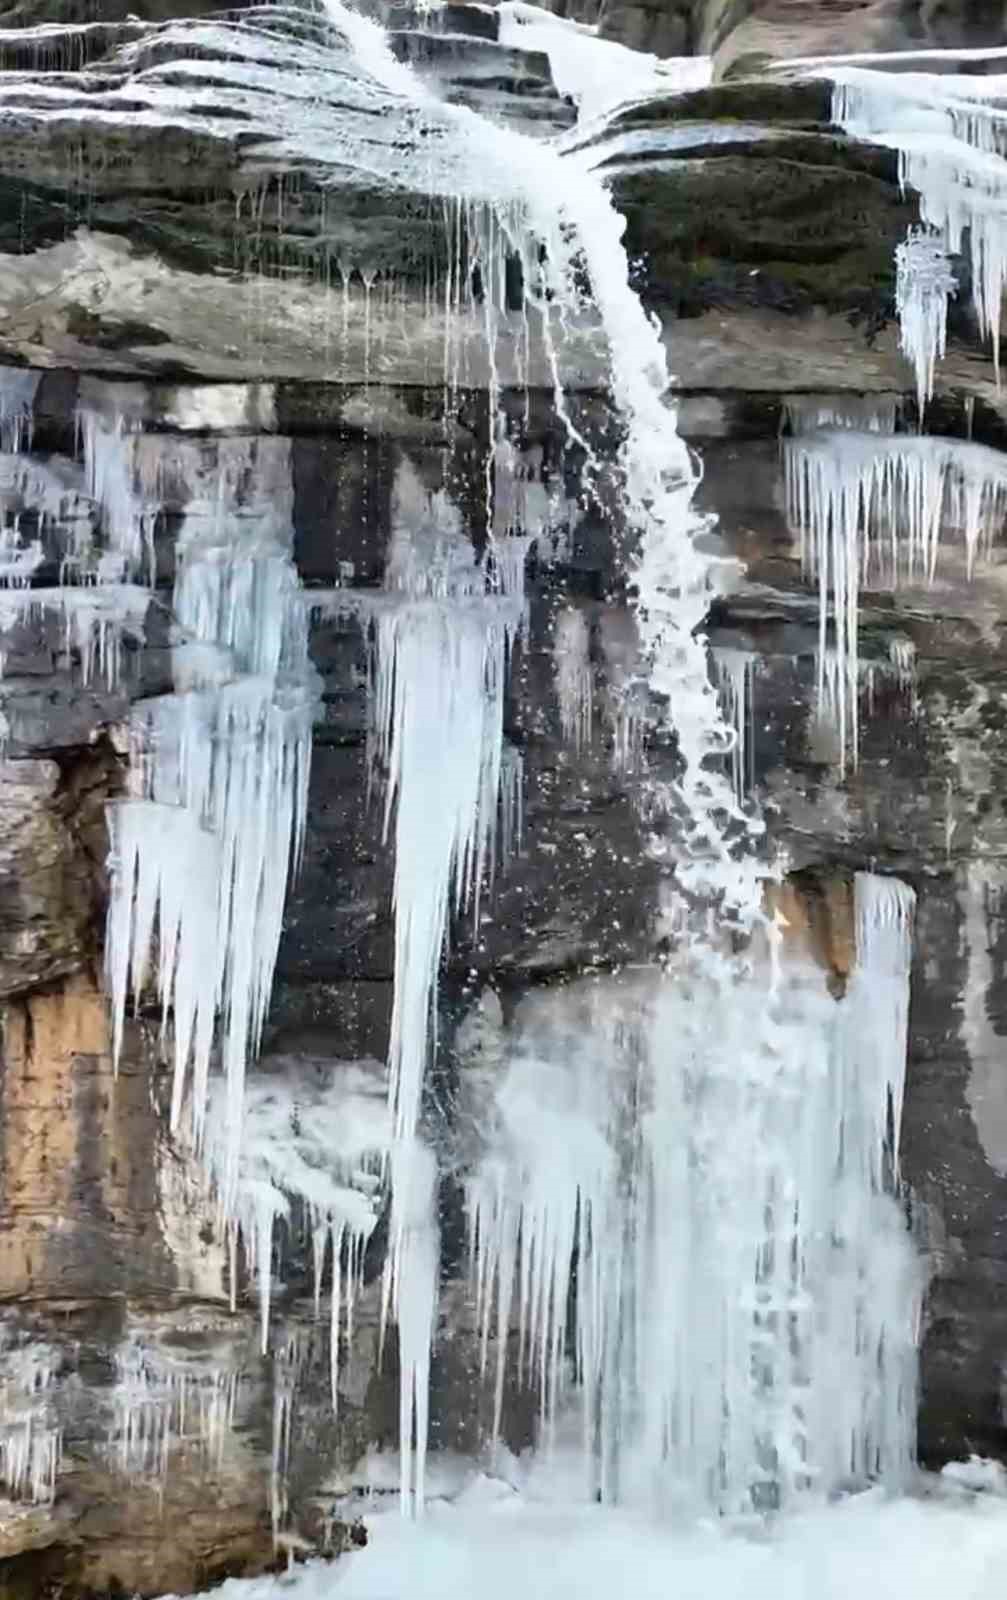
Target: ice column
x=441, y=642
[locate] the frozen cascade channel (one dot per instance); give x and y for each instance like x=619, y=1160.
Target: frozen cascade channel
x=693, y=1233
x=786, y=1369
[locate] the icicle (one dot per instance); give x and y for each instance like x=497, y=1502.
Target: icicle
x=113, y=479
x=96, y=620
x=31, y=1440
x=574, y=677
x=410, y=1291
x=735, y=674
x=441, y=649
x=924, y=283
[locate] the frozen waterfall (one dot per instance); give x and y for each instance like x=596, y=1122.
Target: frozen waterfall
x=684, y=1198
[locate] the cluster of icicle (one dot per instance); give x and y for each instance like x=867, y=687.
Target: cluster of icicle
x=203, y=850
x=100, y=528
x=318, y=1138
x=950, y=133
x=717, y=1246
x=873, y=509
x=31, y=1440
x=158, y=1405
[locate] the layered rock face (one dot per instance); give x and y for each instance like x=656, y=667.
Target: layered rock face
x=225, y=300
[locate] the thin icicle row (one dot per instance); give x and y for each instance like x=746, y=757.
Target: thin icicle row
x=873, y=509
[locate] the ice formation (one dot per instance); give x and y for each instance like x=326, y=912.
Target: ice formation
x=738, y=1340
x=574, y=676
x=742, y=1383
x=864, y=413
x=873, y=510
x=31, y=1441
x=220, y=775
x=97, y=604
x=597, y=74
x=316, y=1137
x=735, y=674
x=442, y=633
x=951, y=136
x=18, y=388
x=160, y=1405
x=840, y=710
x=924, y=283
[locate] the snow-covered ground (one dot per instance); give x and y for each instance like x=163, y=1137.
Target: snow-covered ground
x=946, y=1542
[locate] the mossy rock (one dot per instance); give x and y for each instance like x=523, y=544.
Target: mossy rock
x=771, y=101
x=747, y=229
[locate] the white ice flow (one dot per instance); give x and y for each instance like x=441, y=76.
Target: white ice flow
x=743, y=1338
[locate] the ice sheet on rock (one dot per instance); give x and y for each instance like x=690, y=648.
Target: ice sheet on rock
x=624, y=698
x=595, y=73
x=574, y=676
x=873, y=511
x=609, y=149
x=695, y=1236
x=18, y=388
x=316, y=1135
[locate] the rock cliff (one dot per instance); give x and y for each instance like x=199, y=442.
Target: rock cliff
x=221, y=285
